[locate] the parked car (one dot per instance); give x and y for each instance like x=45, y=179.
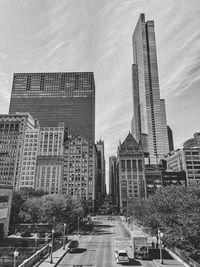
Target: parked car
x=73, y=246
x=121, y=256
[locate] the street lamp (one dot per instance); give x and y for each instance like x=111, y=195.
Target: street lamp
x=160, y=235
x=64, y=236
x=16, y=254
x=51, y=256
x=78, y=225
x=36, y=238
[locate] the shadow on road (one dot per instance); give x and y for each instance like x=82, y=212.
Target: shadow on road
x=103, y=225
x=101, y=232
x=155, y=254
x=81, y=250
x=133, y=262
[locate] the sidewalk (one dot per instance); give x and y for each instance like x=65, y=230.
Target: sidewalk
x=57, y=256
x=166, y=262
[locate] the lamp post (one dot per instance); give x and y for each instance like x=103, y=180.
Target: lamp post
x=36, y=238
x=51, y=256
x=64, y=236
x=160, y=235
x=78, y=225
x=16, y=254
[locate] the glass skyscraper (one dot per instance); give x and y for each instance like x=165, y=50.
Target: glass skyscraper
x=57, y=97
x=149, y=124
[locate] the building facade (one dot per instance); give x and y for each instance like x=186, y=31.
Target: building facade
x=101, y=183
x=149, y=116
x=57, y=97
x=50, y=159
x=170, y=138
x=12, y=135
x=131, y=172
x=188, y=160
x=114, y=180
x=79, y=172
x=6, y=193
x=29, y=158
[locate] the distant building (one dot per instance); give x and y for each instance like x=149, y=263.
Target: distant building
x=149, y=124
x=114, y=180
x=153, y=177
x=197, y=139
x=188, y=160
x=170, y=138
x=174, y=178
x=157, y=177
x=12, y=134
x=79, y=173
x=57, y=97
x=101, y=185
x=189, y=143
x=131, y=172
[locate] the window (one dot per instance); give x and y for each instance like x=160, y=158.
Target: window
x=123, y=165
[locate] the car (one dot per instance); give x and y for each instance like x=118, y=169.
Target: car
x=73, y=246
x=121, y=256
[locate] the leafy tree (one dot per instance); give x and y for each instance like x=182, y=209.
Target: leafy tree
x=16, y=205
x=176, y=211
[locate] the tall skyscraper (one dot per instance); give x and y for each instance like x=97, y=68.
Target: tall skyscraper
x=149, y=117
x=57, y=97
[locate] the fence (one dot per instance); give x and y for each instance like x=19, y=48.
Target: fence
x=185, y=257
x=39, y=255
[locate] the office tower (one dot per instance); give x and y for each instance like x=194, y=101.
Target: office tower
x=101, y=185
x=79, y=172
x=149, y=118
x=57, y=97
x=170, y=138
x=12, y=134
x=131, y=172
x=186, y=159
x=50, y=159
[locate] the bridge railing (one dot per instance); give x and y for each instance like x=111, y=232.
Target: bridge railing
x=39, y=255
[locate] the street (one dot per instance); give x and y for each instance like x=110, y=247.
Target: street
x=97, y=249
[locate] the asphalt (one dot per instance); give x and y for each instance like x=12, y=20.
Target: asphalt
x=59, y=254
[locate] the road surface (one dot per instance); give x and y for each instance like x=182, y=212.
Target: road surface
x=97, y=249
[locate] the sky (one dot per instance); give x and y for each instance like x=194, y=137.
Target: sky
x=96, y=36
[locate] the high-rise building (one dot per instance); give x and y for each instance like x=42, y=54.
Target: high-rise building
x=170, y=138
x=114, y=180
x=79, y=172
x=131, y=172
x=13, y=129
x=149, y=117
x=57, y=97
x=50, y=159
x=186, y=159
x=29, y=158
x=101, y=185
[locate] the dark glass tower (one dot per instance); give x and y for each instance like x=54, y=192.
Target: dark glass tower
x=57, y=97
